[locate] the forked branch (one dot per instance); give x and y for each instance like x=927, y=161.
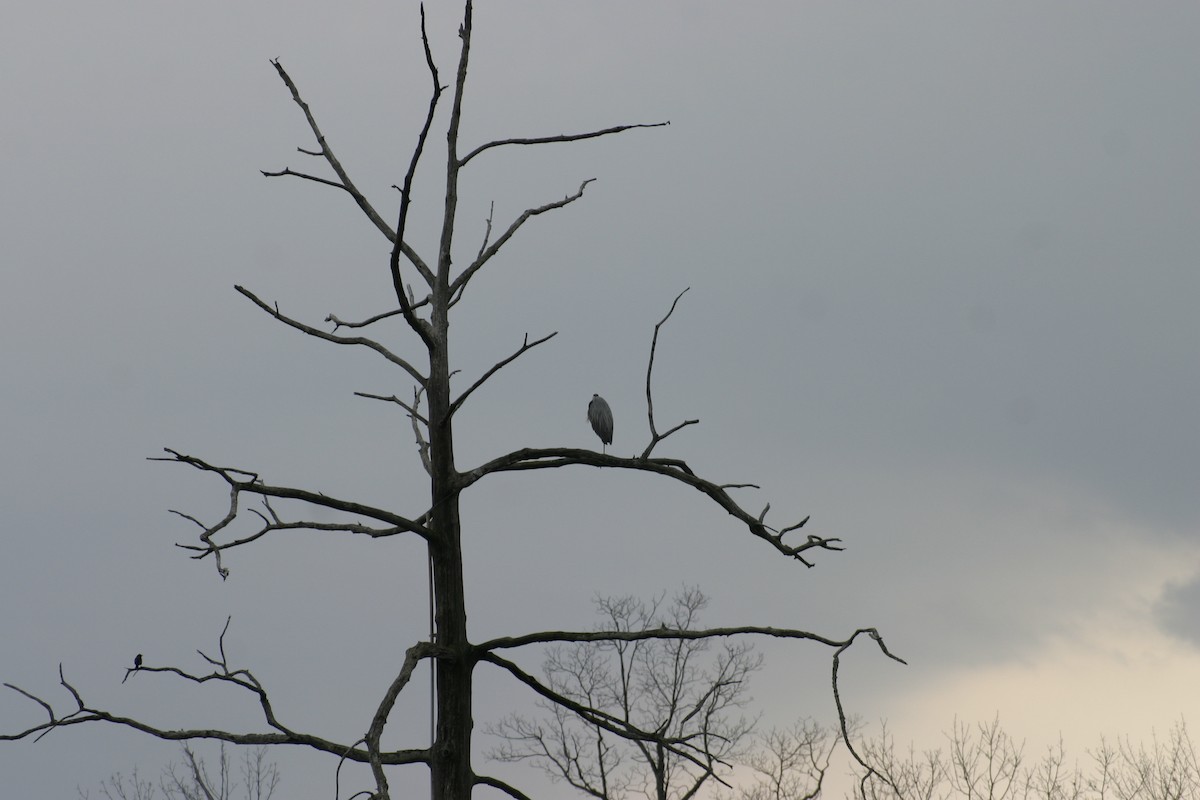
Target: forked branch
x=842, y=720
x=682, y=747
x=329, y=337
x=461, y=281
x=655, y=437
x=413, y=305
x=525, y=345
x=222, y=673
x=343, y=181
x=412, y=658
x=416, y=417
x=243, y=482
x=551, y=458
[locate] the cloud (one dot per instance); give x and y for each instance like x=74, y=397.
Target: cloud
x=1178, y=610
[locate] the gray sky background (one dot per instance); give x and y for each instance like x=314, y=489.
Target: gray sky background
x=942, y=261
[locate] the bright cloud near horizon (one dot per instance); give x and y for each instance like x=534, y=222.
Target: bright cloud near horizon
x=943, y=269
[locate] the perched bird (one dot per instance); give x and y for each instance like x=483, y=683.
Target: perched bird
x=137, y=661
x=600, y=415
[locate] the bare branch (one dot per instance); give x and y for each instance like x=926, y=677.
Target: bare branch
x=552, y=458
x=568, y=137
x=345, y=183
x=487, y=233
x=419, y=325
x=496, y=783
x=413, y=304
x=655, y=438
x=223, y=674
x=461, y=281
x=412, y=658
x=662, y=634
x=837, y=699
x=410, y=408
x=329, y=337
x=288, y=171
x=525, y=345
x=253, y=485
x=608, y=722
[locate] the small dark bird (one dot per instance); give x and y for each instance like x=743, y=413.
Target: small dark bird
x=137, y=661
x=600, y=415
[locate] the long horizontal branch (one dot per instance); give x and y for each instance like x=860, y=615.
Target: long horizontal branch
x=329, y=337
x=254, y=486
x=241, y=481
x=83, y=714
x=547, y=637
x=552, y=458
x=495, y=246
x=300, y=525
x=565, y=137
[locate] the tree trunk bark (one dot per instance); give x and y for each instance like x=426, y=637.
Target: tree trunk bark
x=450, y=768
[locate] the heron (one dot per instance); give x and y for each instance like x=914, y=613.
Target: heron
x=600, y=415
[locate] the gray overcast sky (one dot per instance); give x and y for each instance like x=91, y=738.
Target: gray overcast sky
x=942, y=261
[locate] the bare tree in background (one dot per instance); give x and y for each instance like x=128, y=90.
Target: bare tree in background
x=678, y=687
x=986, y=763
x=789, y=763
x=259, y=508
x=255, y=778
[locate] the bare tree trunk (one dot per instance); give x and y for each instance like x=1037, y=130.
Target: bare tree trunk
x=450, y=760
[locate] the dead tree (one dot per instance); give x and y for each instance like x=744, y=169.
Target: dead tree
x=431, y=409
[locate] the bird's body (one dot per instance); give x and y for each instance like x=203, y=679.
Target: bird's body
x=600, y=415
x=137, y=661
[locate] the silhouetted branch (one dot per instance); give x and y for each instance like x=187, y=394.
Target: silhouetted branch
x=410, y=408
x=525, y=345
x=419, y=325
x=329, y=337
x=569, y=137
x=461, y=281
x=619, y=727
x=655, y=438
x=412, y=658
x=837, y=699
x=487, y=233
x=551, y=458
x=666, y=634
x=339, y=323
x=345, y=183
x=251, y=484
x=223, y=674
x=496, y=783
